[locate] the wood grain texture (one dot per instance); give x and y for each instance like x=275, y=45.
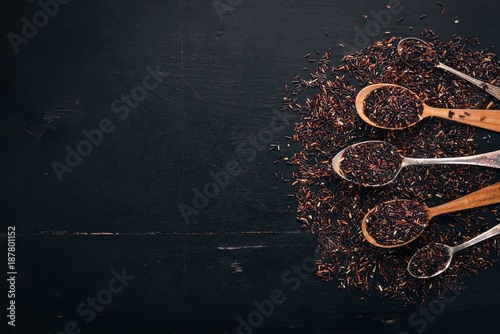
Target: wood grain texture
x=120, y=206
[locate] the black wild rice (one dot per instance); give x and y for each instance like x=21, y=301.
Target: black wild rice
x=332, y=209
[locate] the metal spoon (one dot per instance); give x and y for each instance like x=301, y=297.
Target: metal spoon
x=483, y=118
x=493, y=90
x=447, y=253
x=491, y=159
x=486, y=196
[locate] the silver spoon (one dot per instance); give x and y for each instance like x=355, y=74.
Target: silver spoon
x=493, y=90
x=491, y=159
x=445, y=254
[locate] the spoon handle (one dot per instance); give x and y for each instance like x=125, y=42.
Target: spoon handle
x=486, y=196
x=493, y=90
x=482, y=118
x=483, y=236
x=491, y=159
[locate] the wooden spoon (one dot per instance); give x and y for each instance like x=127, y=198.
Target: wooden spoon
x=486, y=119
x=486, y=196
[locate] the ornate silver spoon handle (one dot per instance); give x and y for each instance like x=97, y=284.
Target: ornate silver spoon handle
x=491, y=159
x=493, y=90
x=483, y=236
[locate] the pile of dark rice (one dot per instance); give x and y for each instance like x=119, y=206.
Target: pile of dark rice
x=332, y=208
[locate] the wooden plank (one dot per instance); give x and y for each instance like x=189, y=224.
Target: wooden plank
x=189, y=283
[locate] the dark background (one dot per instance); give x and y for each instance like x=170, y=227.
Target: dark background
x=119, y=208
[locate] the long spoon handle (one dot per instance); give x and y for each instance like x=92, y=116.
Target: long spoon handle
x=493, y=90
x=482, y=118
x=483, y=236
x=486, y=196
x=491, y=159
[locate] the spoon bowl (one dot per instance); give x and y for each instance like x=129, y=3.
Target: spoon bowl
x=373, y=171
x=486, y=119
x=430, y=260
x=431, y=55
x=375, y=174
x=398, y=226
x=396, y=229
x=443, y=254
x=401, y=44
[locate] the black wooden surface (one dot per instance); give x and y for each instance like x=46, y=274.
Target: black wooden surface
x=222, y=75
